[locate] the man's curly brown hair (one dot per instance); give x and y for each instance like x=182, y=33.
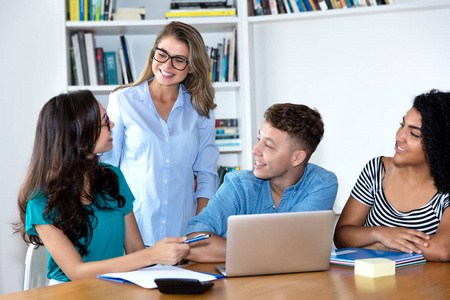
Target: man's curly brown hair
x=303, y=124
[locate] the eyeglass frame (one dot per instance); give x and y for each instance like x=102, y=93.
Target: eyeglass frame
x=171, y=58
x=108, y=123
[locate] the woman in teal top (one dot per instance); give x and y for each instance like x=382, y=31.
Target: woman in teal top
x=80, y=209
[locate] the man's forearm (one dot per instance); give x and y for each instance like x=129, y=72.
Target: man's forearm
x=210, y=250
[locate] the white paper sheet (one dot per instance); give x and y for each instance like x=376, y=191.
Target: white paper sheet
x=146, y=277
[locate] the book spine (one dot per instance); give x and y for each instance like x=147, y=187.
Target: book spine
x=106, y=10
x=83, y=55
x=76, y=52
x=100, y=66
x=257, y=7
x=226, y=50
x=127, y=58
x=110, y=68
x=91, y=60
x=102, y=10
x=232, y=56
x=74, y=67
x=219, y=61
x=123, y=66
x=119, y=69
x=175, y=14
x=74, y=10
x=82, y=10
x=216, y=54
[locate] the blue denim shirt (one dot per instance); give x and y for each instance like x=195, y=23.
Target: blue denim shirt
x=242, y=193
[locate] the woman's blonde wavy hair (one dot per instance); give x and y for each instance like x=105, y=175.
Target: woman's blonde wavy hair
x=197, y=82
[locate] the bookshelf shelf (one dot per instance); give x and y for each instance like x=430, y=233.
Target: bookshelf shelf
x=230, y=149
x=106, y=89
x=150, y=27
x=232, y=97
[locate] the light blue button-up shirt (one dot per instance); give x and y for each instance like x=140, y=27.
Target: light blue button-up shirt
x=242, y=193
x=159, y=159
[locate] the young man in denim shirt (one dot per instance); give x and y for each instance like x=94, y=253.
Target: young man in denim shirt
x=282, y=179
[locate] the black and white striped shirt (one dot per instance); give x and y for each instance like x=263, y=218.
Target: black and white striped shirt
x=369, y=191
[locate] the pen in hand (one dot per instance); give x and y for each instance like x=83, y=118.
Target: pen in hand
x=197, y=238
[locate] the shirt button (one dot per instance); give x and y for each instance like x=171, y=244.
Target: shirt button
x=164, y=221
x=167, y=161
x=165, y=180
x=167, y=139
x=165, y=202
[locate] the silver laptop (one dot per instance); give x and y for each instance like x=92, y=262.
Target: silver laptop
x=278, y=243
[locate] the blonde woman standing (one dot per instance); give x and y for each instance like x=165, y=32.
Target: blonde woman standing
x=165, y=134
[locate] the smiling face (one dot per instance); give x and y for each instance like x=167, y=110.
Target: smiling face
x=104, y=141
x=273, y=155
x=409, y=145
x=165, y=73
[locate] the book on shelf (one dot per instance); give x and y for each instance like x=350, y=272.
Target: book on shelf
x=129, y=13
x=89, y=10
x=215, y=54
x=123, y=66
x=219, y=61
x=224, y=65
x=347, y=256
x=259, y=7
x=176, y=4
x=201, y=12
x=110, y=67
x=126, y=55
x=83, y=55
x=74, y=10
x=227, y=132
x=74, y=68
x=231, y=56
x=101, y=76
x=222, y=170
x=119, y=69
x=91, y=59
x=76, y=52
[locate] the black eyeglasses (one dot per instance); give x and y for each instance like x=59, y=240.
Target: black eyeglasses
x=107, y=121
x=178, y=62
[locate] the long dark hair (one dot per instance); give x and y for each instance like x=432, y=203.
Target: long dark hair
x=434, y=107
x=64, y=169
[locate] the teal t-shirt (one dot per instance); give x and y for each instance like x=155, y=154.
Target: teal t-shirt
x=108, y=233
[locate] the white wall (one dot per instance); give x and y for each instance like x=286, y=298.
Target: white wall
x=360, y=71
x=30, y=74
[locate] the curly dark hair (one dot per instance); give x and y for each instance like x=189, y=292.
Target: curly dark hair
x=303, y=124
x=434, y=107
x=64, y=169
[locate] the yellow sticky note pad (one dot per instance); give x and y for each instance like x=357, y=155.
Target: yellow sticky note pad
x=374, y=267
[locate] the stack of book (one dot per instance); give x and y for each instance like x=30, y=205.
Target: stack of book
x=223, y=60
x=227, y=133
x=347, y=256
x=205, y=8
x=129, y=13
x=92, y=65
x=273, y=7
x=222, y=170
x=89, y=10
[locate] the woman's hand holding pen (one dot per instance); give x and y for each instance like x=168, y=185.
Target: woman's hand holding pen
x=168, y=251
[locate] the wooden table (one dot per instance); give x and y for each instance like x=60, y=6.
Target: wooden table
x=424, y=281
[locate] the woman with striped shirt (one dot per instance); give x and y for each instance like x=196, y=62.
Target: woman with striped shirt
x=399, y=203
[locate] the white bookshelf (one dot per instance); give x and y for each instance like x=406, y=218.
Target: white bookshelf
x=234, y=99
x=231, y=97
